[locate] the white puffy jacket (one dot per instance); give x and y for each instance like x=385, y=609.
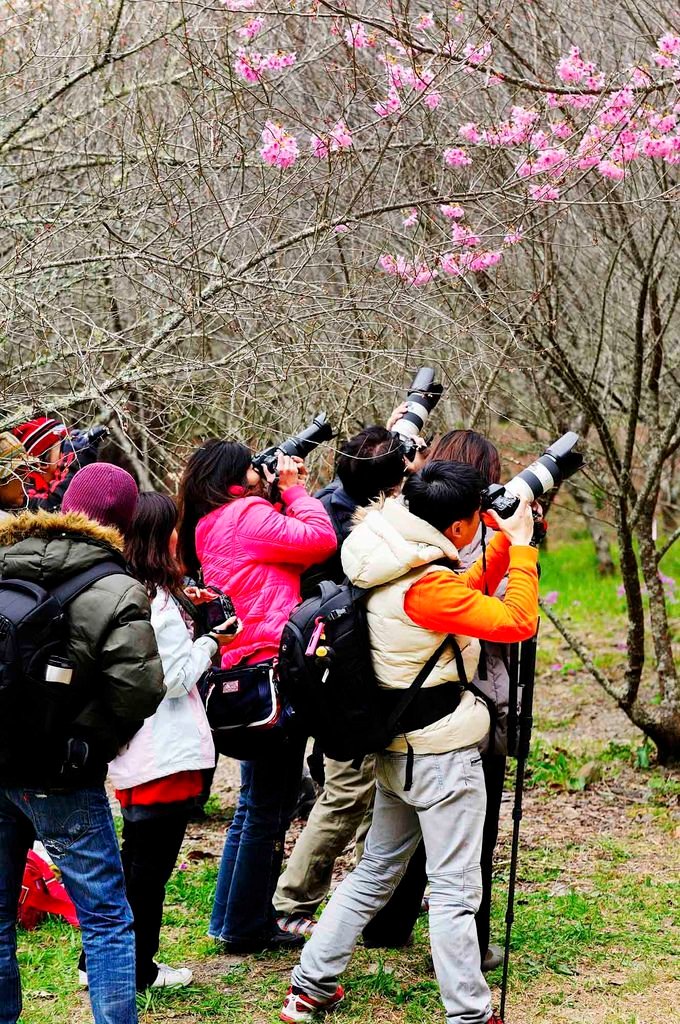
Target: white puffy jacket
x=177, y=737
x=388, y=551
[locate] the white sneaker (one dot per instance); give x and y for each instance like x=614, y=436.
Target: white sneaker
x=167, y=977
x=172, y=977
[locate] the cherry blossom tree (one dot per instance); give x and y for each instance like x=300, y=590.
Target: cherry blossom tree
x=223, y=216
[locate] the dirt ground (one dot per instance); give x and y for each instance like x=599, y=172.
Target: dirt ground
x=572, y=711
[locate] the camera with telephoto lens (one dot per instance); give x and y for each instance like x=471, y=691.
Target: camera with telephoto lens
x=421, y=399
x=79, y=441
x=300, y=445
x=557, y=463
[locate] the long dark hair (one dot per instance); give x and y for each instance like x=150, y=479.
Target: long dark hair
x=147, y=544
x=470, y=447
x=210, y=472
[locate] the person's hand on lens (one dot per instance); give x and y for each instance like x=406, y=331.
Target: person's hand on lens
x=287, y=471
x=396, y=414
x=302, y=469
x=519, y=528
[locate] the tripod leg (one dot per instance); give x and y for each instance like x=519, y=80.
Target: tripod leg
x=510, y=911
x=526, y=675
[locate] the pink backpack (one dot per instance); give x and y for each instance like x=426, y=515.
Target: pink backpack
x=42, y=894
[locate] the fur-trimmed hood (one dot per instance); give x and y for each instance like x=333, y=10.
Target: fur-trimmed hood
x=43, y=546
x=388, y=541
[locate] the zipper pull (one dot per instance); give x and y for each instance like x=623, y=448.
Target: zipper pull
x=316, y=636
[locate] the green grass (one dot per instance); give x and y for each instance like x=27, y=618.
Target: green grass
x=570, y=570
x=582, y=909
x=612, y=913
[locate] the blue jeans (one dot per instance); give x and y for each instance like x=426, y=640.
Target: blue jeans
x=253, y=852
x=77, y=830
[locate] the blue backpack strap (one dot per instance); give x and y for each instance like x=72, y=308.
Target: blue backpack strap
x=76, y=585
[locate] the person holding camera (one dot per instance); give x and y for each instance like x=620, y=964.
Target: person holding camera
x=157, y=775
x=57, y=453
x=370, y=464
x=58, y=733
x=430, y=781
x=491, y=677
x=396, y=919
x=233, y=535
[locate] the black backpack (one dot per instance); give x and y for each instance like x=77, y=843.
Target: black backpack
x=34, y=630
x=325, y=671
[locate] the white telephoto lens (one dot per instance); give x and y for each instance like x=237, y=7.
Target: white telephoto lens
x=417, y=412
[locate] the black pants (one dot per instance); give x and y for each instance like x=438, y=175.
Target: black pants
x=149, y=852
x=394, y=923
x=494, y=774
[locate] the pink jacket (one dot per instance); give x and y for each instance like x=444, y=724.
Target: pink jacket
x=257, y=554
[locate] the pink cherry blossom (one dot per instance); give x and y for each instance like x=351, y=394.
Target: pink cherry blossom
x=319, y=147
x=477, y=54
x=452, y=212
x=450, y=264
x=357, y=36
x=412, y=218
x=524, y=118
x=525, y=169
x=662, y=122
x=239, y=5
x=425, y=21
x=463, y=235
x=571, y=69
x=388, y=263
x=586, y=162
x=553, y=160
x=389, y=106
x=341, y=229
x=657, y=147
x=422, y=274
x=416, y=274
x=248, y=66
x=432, y=100
x=639, y=76
x=279, y=149
x=561, y=130
x=278, y=60
x=662, y=60
x=544, y=193
x=470, y=132
x=669, y=43
x=340, y=136
x=608, y=169
x=513, y=237
x=454, y=156
x=484, y=260
x=251, y=28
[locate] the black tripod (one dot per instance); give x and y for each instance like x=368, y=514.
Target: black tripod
x=522, y=671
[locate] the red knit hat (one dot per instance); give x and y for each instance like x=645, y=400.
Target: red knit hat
x=40, y=434
x=105, y=493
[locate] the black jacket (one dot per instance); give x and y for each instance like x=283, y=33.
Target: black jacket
x=340, y=508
